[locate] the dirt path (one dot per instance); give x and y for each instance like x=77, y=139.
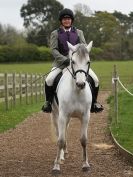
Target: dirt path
x=29, y=150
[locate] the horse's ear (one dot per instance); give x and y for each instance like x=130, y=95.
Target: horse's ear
x=89, y=46
x=71, y=47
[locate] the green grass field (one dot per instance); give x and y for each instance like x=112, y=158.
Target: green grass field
x=101, y=68
x=123, y=130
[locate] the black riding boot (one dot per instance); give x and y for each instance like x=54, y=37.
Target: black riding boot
x=49, y=93
x=96, y=107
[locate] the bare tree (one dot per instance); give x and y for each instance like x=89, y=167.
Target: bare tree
x=83, y=8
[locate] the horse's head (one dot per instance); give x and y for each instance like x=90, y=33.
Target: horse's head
x=80, y=62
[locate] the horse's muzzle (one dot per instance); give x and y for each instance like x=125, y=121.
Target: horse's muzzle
x=81, y=85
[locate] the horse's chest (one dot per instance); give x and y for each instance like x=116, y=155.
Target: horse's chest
x=77, y=103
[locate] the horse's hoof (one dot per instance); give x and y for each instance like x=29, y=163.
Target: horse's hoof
x=56, y=172
x=66, y=155
x=86, y=168
x=62, y=161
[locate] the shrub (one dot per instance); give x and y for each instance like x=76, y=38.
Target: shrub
x=27, y=53
x=96, y=53
x=19, y=53
x=6, y=54
x=45, y=54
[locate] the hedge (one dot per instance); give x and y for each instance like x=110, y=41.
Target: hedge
x=96, y=54
x=25, y=53
x=45, y=54
x=31, y=52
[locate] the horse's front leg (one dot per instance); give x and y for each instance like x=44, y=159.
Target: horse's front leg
x=62, y=123
x=83, y=140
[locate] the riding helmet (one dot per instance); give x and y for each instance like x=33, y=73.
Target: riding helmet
x=66, y=13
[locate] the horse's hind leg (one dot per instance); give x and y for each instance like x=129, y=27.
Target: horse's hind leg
x=83, y=140
x=54, y=116
x=65, y=148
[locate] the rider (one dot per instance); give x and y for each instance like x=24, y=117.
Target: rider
x=58, y=44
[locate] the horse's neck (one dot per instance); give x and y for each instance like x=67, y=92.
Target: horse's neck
x=68, y=78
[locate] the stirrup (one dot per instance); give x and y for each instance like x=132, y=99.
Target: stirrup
x=47, y=107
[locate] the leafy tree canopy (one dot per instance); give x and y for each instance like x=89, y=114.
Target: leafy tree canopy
x=40, y=18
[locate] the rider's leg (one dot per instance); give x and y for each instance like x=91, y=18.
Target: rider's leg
x=96, y=107
x=49, y=90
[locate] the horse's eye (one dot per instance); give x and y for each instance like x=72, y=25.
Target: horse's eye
x=88, y=62
x=73, y=62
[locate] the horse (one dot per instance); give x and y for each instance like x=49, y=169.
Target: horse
x=74, y=99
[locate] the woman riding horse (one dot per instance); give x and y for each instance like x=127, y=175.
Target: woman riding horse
x=59, y=46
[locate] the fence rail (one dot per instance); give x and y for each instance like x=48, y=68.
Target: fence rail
x=14, y=86
x=28, y=88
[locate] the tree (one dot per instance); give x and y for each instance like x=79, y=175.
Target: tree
x=83, y=9
x=41, y=17
x=10, y=36
x=100, y=27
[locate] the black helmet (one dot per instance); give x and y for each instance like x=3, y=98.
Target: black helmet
x=66, y=13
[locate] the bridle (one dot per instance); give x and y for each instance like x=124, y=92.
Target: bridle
x=73, y=73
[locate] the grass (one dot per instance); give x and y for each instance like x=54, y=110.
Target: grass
x=9, y=119
x=26, y=67
x=123, y=130
x=102, y=68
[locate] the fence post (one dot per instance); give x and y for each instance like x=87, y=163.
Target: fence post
x=20, y=87
x=31, y=77
x=6, y=92
x=14, y=89
x=115, y=94
x=40, y=87
x=26, y=87
x=36, y=89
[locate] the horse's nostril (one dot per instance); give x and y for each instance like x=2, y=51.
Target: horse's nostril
x=80, y=85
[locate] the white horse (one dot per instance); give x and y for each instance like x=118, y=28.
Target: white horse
x=75, y=98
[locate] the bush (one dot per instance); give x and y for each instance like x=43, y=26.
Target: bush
x=45, y=54
x=24, y=53
x=7, y=53
x=27, y=53
x=96, y=53
x=112, y=51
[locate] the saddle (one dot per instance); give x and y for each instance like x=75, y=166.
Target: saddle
x=58, y=77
